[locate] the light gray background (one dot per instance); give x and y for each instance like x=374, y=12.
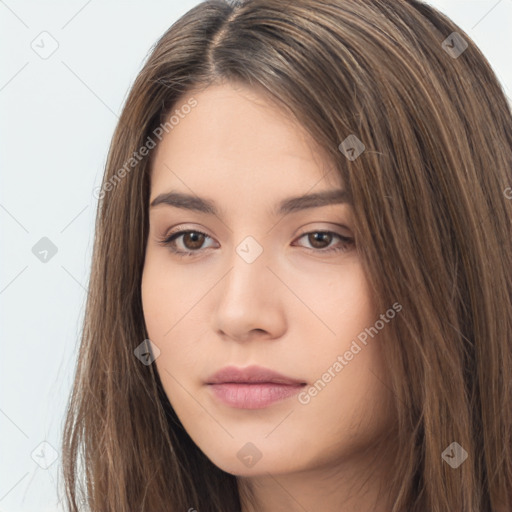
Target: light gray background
x=57, y=117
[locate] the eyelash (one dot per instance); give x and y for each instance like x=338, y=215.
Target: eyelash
x=169, y=242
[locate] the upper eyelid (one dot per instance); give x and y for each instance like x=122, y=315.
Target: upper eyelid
x=184, y=227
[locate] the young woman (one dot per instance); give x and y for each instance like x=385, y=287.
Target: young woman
x=301, y=289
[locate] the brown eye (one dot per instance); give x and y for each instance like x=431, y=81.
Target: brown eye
x=185, y=243
x=193, y=240
x=320, y=239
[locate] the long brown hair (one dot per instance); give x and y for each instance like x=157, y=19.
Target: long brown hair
x=433, y=227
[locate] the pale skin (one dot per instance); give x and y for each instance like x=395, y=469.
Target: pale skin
x=294, y=309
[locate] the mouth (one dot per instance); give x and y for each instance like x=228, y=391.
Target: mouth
x=253, y=387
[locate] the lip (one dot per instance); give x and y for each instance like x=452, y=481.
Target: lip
x=250, y=375
x=253, y=387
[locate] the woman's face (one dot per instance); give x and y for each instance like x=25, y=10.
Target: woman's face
x=278, y=288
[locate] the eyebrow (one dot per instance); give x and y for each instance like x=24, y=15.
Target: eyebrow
x=286, y=206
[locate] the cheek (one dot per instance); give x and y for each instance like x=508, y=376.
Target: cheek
x=354, y=402
x=347, y=412
x=174, y=320
x=340, y=298
x=153, y=290
x=168, y=294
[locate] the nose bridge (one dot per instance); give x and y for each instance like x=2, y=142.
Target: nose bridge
x=249, y=250
x=248, y=298
x=248, y=270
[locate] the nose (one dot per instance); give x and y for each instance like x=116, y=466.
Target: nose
x=250, y=300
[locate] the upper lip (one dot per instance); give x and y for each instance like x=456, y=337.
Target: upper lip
x=250, y=374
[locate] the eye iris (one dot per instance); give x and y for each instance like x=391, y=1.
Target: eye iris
x=197, y=240
x=314, y=238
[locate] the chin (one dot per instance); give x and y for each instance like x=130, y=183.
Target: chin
x=253, y=459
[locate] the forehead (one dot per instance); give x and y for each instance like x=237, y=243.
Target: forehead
x=235, y=132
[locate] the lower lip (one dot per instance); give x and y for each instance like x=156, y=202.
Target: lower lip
x=253, y=396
